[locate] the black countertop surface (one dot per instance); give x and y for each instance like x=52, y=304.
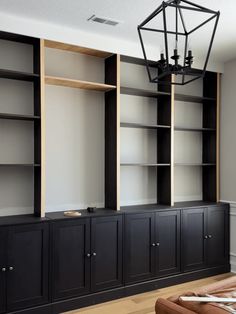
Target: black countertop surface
x=99, y=212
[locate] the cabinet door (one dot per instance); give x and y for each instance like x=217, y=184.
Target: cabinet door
x=106, y=252
x=3, y=268
x=71, y=265
x=139, y=252
x=168, y=242
x=194, y=231
x=218, y=235
x=27, y=275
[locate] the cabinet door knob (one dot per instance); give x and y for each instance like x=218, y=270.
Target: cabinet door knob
x=209, y=236
x=11, y=268
x=94, y=254
x=4, y=269
x=205, y=237
x=157, y=244
x=153, y=244
x=88, y=254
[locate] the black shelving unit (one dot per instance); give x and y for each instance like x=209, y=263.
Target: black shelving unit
x=162, y=126
x=35, y=118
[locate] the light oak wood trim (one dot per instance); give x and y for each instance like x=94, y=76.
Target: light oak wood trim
x=172, y=139
x=74, y=48
x=59, y=81
x=218, y=137
x=43, y=127
x=118, y=131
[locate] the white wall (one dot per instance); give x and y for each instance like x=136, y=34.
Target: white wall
x=228, y=150
x=51, y=31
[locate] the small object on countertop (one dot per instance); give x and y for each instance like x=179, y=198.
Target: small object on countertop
x=72, y=213
x=91, y=209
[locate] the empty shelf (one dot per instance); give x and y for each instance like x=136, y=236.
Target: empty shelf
x=52, y=80
x=143, y=126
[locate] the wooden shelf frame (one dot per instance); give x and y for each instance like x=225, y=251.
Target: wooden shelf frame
x=59, y=81
x=73, y=48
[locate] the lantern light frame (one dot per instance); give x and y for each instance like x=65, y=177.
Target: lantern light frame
x=164, y=67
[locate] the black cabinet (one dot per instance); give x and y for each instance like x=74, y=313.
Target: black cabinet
x=87, y=255
x=106, y=252
x=24, y=270
x=71, y=258
x=152, y=245
x=139, y=247
x=168, y=242
x=204, y=237
x=194, y=231
x=3, y=268
x=218, y=235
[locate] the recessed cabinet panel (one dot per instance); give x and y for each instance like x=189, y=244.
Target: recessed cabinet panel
x=218, y=234
x=194, y=231
x=27, y=269
x=139, y=252
x=168, y=242
x=3, y=268
x=71, y=264
x=106, y=252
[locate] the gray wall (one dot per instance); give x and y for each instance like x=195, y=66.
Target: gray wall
x=228, y=149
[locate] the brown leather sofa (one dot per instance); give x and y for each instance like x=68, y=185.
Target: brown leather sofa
x=174, y=305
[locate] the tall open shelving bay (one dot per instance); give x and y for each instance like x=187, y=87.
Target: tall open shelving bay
x=20, y=125
x=196, y=141
x=78, y=91
x=145, y=137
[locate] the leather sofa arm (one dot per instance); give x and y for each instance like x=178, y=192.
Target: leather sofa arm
x=166, y=307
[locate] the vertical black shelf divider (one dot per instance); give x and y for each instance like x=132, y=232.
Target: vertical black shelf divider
x=209, y=150
x=112, y=126
x=37, y=129
x=164, y=151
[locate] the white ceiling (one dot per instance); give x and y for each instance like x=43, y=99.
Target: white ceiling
x=74, y=14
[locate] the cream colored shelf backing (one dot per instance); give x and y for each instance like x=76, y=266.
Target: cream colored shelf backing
x=73, y=48
x=53, y=80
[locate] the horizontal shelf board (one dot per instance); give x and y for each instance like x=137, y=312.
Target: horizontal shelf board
x=19, y=38
x=52, y=80
x=143, y=164
x=194, y=164
x=179, y=128
x=142, y=92
x=17, y=75
x=18, y=165
x=190, y=98
x=143, y=126
x=12, y=116
x=138, y=61
x=74, y=48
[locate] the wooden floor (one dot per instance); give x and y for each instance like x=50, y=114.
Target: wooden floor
x=144, y=303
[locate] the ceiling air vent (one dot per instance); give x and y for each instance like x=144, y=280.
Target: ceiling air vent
x=103, y=20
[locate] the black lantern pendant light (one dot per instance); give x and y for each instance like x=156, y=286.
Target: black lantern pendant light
x=169, y=62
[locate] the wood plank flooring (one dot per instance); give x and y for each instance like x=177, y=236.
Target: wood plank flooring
x=144, y=303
